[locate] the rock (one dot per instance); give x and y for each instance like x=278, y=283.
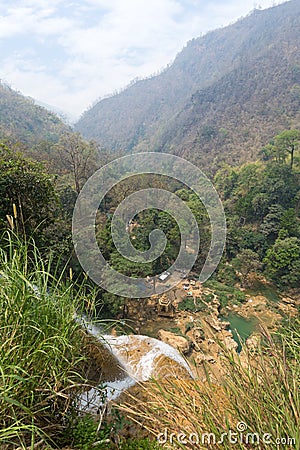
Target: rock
x=201, y=358
x=288, y=308
x=178, y=342
x=252, y=342
x=198, y=335
x=230, y=343
x=225, y=325
x=288, y=300
x=142, y=357
x=215, y=302
x=214, y=323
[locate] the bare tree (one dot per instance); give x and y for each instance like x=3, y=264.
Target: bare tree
x=77, y=157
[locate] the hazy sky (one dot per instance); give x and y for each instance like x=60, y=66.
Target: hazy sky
x=70, y=53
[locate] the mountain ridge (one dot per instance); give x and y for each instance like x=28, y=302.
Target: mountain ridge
x=23, y=120
x=142, y=117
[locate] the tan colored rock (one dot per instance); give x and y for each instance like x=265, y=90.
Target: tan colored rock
x=225, y=325
x=230, y=343
x=142, y=357
x=213, y=310
x=252, y=342
x=213, y=322
x=288, y=309
x=201, y=358
x=288, y=300
x=179, y=342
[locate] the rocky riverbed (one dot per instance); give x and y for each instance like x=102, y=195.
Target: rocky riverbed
x=204, y=334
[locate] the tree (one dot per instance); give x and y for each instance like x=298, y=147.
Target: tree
x=27, y=194
x=268, y=152
x=290, y=222
x=287, y=142
x=246, y=262
x=31, y=207
x=283, y=261
x=78, y=157
x=272, y=222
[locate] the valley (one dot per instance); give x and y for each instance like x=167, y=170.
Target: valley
x=84, y=366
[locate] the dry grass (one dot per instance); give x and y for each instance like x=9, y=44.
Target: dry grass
x=259, y=392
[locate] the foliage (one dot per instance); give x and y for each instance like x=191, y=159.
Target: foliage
x=283, y=261
x=226, y=274
x=246, y=261
x=31, y=206
x=287, y=143
x=225, y=293
x=143, y=224
x=262, y=206
x=111, y=305
x=22, y=120
x=139, y=444
x=25, y=184
x=77, y=157
x=85, y=434
x=41, y=351
x=189, y=326
x=189, y=304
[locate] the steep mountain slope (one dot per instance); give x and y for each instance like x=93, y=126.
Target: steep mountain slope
x=232, y=119
x=22, y=120
x=120, y=121
x=225, y=94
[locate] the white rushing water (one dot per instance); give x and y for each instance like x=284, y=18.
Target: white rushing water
x=94, y=399
x=138, y=355
x=140, y=364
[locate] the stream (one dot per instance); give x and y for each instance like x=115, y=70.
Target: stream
x=240, y=327
x=140, y=357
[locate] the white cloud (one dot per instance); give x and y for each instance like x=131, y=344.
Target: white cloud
x=68, y=53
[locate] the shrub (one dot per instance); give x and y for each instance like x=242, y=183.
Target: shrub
x=188, y=304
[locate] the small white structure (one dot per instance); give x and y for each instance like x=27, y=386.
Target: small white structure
x=164, y=276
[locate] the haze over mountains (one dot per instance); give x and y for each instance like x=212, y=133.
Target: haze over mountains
x=224, y=97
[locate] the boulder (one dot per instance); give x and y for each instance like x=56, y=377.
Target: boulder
x=179, y=342
x=230, y=343
x=225, y=325
x=253, y=342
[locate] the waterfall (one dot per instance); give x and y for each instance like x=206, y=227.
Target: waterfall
x=140, y=358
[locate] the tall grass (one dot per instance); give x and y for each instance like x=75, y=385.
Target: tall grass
x=41, y=347
x=258, y=400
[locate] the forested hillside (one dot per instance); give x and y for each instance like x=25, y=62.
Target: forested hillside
x=236, y=116
x=21, y=119
x=226, y=94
